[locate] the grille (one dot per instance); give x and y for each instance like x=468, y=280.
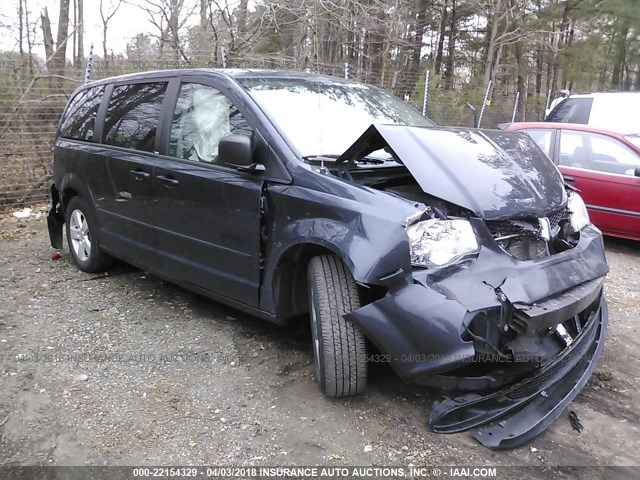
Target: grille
x=506, y=228
x=556, y=218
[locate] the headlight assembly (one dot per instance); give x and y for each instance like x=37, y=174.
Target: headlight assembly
x=579, y=215
x=435, y=243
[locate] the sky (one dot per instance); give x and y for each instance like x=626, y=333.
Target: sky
x=128, y=21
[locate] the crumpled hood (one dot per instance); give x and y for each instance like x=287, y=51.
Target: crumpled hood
x=493, y=173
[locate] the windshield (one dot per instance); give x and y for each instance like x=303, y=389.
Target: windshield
x=322, y=117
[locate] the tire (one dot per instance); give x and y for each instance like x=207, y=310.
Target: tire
x=82, y=238
x=339, y=348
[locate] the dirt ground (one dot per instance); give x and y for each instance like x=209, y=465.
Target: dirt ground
x=126, y=369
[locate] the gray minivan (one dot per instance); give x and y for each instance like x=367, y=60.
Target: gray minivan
x=458, y=256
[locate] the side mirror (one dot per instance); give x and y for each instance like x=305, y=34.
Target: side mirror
x=637, y=172
x=235, y=150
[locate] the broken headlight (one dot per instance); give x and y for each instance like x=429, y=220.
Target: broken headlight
x=579, y=215
x=435, y=243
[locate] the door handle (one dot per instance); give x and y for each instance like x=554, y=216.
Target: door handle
x=569, y=179
x=168, y=181
x=140, y=174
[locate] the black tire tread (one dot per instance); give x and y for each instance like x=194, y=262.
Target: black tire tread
x=342, y=345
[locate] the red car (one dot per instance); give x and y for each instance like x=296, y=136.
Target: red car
x=603, y=165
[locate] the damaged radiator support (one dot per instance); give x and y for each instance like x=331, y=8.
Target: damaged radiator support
x=532, y=238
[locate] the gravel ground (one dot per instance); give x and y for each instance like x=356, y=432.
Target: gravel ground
x=125, y=369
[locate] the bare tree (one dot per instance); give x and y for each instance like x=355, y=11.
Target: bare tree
x=47, y=35
x=108, y=9
x=31, y=33
x=169, y=17
x=58, y=55
x=80, y=49
x=202, y=32
x=74, y=43
x=21, y=28
x=451, y=57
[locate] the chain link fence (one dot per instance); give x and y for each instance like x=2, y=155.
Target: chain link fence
x=32, y=100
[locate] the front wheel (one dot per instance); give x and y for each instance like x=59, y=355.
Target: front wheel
x=339, y=347
x=82, y=238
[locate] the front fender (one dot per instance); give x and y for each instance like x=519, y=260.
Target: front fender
x=370, y=252
x=370, y=240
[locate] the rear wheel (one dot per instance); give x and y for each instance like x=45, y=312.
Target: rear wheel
x=339, y=347
x=82, y=238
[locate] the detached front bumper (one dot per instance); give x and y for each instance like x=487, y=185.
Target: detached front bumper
x=512, y=416
x=423, y=328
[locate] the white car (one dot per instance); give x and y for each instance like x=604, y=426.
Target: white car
x=615, y=111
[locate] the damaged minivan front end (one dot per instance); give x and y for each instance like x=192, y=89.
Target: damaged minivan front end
x=505, y=300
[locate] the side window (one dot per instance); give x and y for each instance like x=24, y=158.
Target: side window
x=574, y=149
x=203, y=115
x=612, y=156
x=542, y=138
x=80, y=117
x=571, y=110
x=133, y=114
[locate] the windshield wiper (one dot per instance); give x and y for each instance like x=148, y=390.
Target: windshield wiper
x=374, y=160
x=333, y=157
x=322, y=157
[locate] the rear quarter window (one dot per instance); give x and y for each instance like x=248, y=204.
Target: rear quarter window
x=79, y=118
x=571, y=110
